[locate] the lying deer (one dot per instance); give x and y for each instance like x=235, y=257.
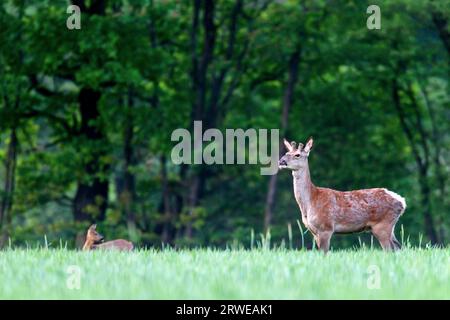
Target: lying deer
x=327, y=211
x=94, y=241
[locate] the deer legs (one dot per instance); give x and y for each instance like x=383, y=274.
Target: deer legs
x=396, y=244
x=323, y=240
x=384, y=232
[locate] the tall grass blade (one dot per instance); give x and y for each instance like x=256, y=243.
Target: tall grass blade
x=402, y=235
x=301, y=233
x=420, y=240
x=290, y=235
x=252, y=238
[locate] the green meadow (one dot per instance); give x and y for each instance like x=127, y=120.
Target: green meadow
x=225, y=274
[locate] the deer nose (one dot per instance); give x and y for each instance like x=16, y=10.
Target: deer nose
x=282, y=162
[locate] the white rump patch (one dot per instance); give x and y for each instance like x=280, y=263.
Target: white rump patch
x=397, y=197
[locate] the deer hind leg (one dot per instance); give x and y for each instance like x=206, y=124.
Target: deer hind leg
x=323, y=240
x=384, y=233
x=395, y=243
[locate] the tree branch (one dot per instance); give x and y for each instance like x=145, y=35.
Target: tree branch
x=51, y=116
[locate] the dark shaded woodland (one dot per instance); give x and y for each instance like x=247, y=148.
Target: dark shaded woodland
x=86, y=115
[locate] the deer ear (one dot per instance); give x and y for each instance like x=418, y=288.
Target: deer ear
x=309, y=145
x=94, y=226
x=287, y=145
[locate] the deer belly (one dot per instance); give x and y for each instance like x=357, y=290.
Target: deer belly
x=339, y=228
x=351, y=221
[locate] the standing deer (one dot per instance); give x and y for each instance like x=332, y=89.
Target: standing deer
x=327, y=211
x=94, y=241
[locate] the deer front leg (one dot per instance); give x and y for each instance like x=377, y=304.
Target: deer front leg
x=323, y=240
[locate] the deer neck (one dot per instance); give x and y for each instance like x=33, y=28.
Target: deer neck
x=303, y=189
x=88, y=244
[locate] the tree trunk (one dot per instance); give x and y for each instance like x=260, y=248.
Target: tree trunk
x=439, y=164
x=199, y=74
x=209, y=85
x=424, y=166
x=9, y=185
x=192, y=202
x=92, y=192
x=128, y=193
x=421, y=161
x=270, y=198
x=166, y=234
x=426, y=206
x=287, y=103
x=96, y=7
x=440, y=23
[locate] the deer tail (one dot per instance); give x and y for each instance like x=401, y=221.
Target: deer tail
x=399, y=198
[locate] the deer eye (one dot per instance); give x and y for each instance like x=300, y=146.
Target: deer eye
x=297, y=155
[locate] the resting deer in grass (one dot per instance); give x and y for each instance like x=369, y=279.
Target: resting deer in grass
x=94, y=241
x=326, y=211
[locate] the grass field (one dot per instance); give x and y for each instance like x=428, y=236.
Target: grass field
x=228, y=274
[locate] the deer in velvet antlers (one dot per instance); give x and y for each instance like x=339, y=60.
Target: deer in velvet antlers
x=326, y=211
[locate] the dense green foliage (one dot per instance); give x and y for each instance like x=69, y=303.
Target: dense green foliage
x=225, y=274
x=86, y=118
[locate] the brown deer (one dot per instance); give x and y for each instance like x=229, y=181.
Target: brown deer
x=326, y=211
x=94, y=241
